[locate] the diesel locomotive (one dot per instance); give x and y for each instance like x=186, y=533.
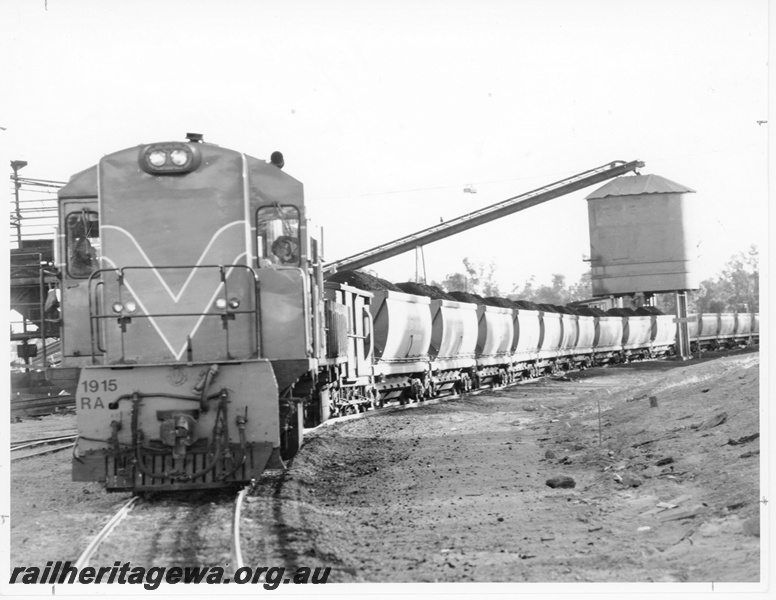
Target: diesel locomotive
x=192, y=309
x=203, y=336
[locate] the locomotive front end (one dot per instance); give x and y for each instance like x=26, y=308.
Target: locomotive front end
x=174, y=427
x=171, y=321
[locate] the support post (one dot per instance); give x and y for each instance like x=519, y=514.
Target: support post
x=682, y=329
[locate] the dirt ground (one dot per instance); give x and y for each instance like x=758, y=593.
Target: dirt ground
x=457, y=491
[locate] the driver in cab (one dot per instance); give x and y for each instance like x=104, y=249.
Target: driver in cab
x=284, y=251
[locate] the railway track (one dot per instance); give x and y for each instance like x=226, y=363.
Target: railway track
x=166, y=530
x=44, y=445
x=39, y=406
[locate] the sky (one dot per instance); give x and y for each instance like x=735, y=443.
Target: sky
x=386, y=111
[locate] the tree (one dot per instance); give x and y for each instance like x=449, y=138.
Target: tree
x=478, y=278
x=736, y=288
x=558, y=292
x=453, y=282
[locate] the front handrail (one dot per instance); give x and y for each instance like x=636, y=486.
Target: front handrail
x=98, y=315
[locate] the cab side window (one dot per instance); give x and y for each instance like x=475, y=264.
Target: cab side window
x=83, y=243
x=277, y=230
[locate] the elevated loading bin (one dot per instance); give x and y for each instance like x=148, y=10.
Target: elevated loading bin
x=644, y=236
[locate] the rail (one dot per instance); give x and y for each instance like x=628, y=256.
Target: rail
x=126, y=508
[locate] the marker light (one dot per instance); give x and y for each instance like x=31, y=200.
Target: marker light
x=234, y=303
x=130, y=306
x=117, y=307
x=221, y=303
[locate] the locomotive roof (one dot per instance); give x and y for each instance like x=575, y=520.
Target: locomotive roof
x=84, y=183
x=636, y=185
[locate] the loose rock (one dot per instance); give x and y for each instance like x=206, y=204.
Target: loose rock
x=631, y=481
x=715, y=421
x=561, y=481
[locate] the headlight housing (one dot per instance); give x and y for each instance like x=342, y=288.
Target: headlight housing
x=128, y=307
x=169, y=158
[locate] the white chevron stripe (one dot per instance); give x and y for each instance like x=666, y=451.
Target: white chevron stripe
x=173, y=296
x=156, y=325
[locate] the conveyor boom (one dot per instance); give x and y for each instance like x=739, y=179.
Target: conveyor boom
x=484, y=215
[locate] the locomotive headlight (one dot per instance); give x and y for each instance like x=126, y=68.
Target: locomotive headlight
x=221, y=303
x=117, y=307
x=234, y=303
x=179, y=157
x=157, y=158
x=130, y=306
x=170, y=158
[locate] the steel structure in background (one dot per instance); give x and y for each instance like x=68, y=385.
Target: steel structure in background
x=33, y=224
x=34, y=211
x=16, y=165
x=484, y=215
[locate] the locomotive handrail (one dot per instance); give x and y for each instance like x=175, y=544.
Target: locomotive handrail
x=485, y=215
x=225, y=314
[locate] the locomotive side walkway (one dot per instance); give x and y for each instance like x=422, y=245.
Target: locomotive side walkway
x=458, y=492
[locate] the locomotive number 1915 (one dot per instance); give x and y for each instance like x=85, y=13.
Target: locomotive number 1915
x=100, y=385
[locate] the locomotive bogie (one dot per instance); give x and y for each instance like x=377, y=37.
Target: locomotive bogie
x=177, y=426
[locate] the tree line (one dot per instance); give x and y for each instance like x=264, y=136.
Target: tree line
x=736, y=288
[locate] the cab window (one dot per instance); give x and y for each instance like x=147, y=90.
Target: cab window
x=83, y=243
x=277, y=230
